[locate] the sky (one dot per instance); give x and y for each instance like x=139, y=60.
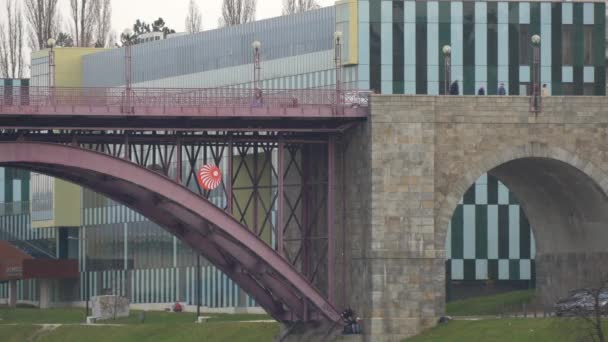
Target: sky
x=125, y=12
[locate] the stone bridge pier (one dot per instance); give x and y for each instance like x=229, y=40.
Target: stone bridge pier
x=407, y=167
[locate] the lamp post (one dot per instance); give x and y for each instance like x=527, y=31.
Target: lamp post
x=338, y=60
x=51, y=44
x=198, y=285
x=85, y=271
x=447, y=68
x=128, y=43
x=535, y=105
x=257, y=67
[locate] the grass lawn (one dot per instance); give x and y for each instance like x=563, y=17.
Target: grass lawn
x=507, y=330
x=20, y=325
x=17, y=333
x=209, y=332
x=490, y=305
x=221, y=331
x=33, y=315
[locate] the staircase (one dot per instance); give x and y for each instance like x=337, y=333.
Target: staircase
x=38, y=249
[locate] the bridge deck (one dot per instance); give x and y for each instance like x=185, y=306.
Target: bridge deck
x=112, y=108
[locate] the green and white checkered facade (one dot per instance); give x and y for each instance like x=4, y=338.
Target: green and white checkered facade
x=489, y=237
x=400, y=46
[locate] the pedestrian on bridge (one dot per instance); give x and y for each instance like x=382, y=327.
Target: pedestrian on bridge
x=501, y=90
x=454, y=89
x=258, y=100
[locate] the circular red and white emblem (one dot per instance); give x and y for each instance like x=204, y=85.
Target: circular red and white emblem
x=209, y=177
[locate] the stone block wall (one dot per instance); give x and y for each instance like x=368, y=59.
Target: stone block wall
x=408, y=166
x=396, y=273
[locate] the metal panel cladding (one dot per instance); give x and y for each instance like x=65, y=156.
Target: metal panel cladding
x=281, y=37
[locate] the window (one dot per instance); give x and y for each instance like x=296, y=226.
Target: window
x=525, y=47
x=588, y=41
x=16, y=190
x=2, y=172
x=42, y=197
x=567, y=45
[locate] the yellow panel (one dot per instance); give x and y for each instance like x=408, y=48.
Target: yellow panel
x=66, y=196
x=352, y=34
x=68, y=64
x=353, y=29
x=242, y=196
x=66, y=199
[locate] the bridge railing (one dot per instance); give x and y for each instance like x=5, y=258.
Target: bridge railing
x=176, y=97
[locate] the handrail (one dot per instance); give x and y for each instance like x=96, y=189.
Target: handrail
x=179, y=97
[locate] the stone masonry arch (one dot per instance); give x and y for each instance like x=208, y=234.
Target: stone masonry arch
x=564, y=197
x=411, y=162
x=493, y=160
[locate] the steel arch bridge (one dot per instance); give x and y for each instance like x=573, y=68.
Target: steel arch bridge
x=270, y=226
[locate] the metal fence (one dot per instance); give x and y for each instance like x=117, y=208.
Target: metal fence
x=173, y=97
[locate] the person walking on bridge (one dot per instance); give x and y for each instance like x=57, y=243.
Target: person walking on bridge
x=502, y=90
x=454, y=90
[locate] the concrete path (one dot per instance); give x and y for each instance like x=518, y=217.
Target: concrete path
x=481, y=318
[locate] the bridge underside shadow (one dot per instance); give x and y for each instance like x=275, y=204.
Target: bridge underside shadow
x=568, y=213
x=261, y=272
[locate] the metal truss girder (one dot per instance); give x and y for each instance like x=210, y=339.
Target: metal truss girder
x=285, y=125
x=144, y=191
x=280, y=206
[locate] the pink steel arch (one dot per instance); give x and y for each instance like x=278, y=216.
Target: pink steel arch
x=250, y=262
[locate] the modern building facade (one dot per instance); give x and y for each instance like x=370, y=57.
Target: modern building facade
x=391, y=47
x=490, y=44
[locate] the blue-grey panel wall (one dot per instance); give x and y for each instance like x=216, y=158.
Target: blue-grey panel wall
x=280, y=37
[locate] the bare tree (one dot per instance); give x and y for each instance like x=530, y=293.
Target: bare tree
x=83, y=15
x=112, y=42
x=12, y=61
x=298, y=6
x=103, y=23
x=236, y=12
x=43, y=18
x=194, y=19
